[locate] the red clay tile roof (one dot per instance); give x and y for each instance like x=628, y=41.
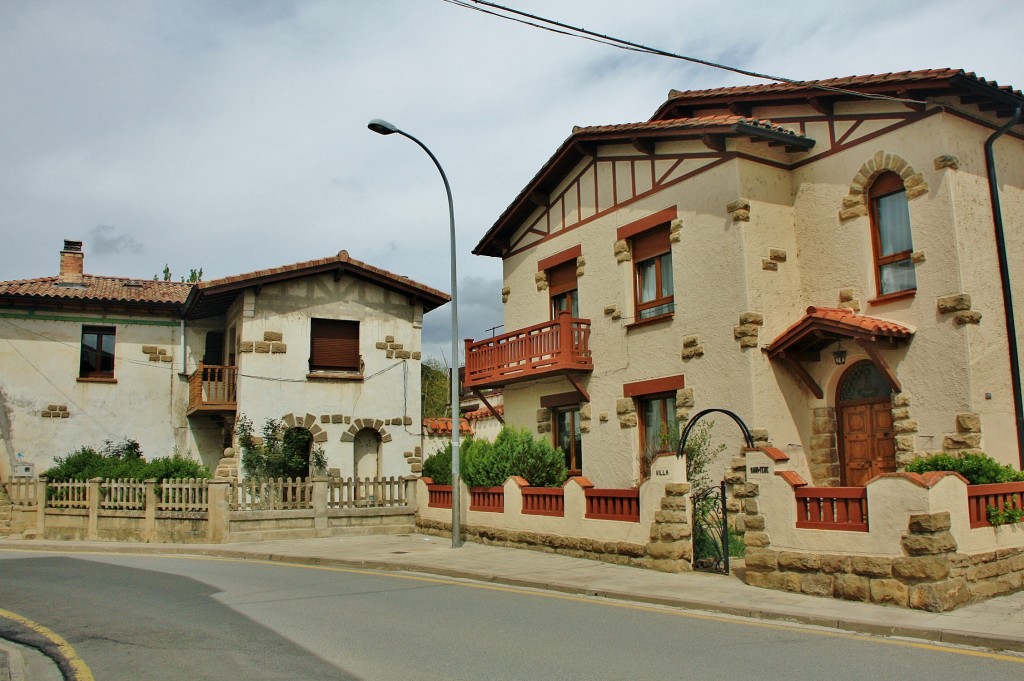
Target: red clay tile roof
x=484, y=413
x=701, y=122
x=444, y=426
x=846, y=82
x=840, y=322
x=342, y=257
x=99, y=289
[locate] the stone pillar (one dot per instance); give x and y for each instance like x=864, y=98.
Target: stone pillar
x=92, y=531
x=823, y=457
x=149, y=528
x=320, y=528
x=926, y=568
x=218, y=516
x=671, y=546
x=41, y=507
x=410, y=491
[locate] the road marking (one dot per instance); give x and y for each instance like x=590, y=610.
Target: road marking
x=674, y=611
x=81, y=670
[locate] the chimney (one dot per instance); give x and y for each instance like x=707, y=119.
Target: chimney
x=72, y=262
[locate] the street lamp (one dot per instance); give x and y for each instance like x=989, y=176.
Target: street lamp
x=384, y=128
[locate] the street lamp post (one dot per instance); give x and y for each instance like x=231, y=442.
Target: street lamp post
x=384, y=128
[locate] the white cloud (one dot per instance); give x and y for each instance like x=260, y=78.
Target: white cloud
x=232, y=135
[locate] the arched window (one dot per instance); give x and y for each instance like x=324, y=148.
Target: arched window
x=891, y=235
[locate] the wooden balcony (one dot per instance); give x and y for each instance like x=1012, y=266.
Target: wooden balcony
x=211, y=390
x=553, y=348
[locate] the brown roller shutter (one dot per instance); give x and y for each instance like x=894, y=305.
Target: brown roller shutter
x=651, y=243
x=334, y=345
x=562, y=278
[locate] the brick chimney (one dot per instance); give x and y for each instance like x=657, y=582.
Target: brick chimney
x=72, y=263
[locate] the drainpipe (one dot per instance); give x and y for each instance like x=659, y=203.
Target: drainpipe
x=1004, y=276
x=184, y=362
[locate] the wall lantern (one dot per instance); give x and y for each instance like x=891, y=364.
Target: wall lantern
x=839, y=354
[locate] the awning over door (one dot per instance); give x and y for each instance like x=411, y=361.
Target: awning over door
x=820, y=327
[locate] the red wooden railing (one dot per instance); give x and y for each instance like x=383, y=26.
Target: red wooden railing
x=613, y=504
x=439, y=496
x=832, y=508
x=551, y=347
x=1000, y=495
x=489, y=499
x=213, y=387
x=544, y=501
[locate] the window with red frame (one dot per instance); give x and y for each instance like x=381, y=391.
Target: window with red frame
x=891, y=235
x=652, y=268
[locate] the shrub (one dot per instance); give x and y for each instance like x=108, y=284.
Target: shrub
x=122, y=460
x=281, y=452
x=514, y=452
x=978, y=468
x=438, y=466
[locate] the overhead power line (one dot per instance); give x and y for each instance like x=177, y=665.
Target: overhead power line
x=553, y=26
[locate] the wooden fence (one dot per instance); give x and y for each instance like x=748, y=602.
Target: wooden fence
x=832, y=508
x=1000, y=496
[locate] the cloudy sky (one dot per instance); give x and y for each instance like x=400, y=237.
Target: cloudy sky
x=231, y=135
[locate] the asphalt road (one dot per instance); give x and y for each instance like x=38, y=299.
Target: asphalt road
x=149, y=618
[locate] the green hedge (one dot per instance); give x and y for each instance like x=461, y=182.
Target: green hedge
x=978, y=468
x=486, y=464
x=122, y=460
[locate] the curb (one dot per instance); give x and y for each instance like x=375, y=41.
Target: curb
x=852, y=625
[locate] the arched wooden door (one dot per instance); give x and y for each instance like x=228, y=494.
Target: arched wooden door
x=867, y=445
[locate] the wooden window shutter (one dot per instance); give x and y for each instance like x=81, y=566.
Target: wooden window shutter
x=334, y=345
x=562, y=278
x=651, y=243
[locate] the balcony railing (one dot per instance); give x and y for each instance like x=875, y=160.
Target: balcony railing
x=212, y=389
x=555, y=347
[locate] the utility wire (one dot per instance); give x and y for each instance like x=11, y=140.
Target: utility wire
x=553, y=26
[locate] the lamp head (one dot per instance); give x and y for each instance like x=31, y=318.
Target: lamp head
x=381, y=127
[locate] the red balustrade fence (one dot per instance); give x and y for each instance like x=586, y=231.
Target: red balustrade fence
x=832, y=508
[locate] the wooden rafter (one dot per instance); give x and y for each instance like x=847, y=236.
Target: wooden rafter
x=713, y=142
x=494, y=412
x=643, y=145
x=821, y=105
x=579, y=388
x=797, y=368
x=890, y=376
x=737, y=108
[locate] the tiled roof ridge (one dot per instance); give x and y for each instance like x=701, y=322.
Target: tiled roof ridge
x=342, y=257
x=689, y=122
x=845, y=82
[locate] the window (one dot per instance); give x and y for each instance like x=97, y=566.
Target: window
x=97, y=359
x=334, y=345
x=652, y=265
x=659, y=429
x=562, y=287
x=891, y=237
x=569, y=438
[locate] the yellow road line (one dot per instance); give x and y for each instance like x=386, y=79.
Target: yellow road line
x=81, y=670
x=533, y=591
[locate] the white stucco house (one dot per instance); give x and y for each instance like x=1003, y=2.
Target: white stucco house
x=329, y=345
x=820, y=258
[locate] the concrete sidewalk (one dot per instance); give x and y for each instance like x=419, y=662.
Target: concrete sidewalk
x=997, y=623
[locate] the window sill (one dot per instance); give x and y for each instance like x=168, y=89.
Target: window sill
x=651, y=320
x=96, y=379
x=888, y=297
x=334, y=376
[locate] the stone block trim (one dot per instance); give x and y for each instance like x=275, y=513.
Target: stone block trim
x=273, y=336
x=355, y=425
x=675, y=231
x=622, y=251
x=967, y=435
x=625, y=407
x=691, y=348
x=747, y=331
x=157, y=354
x=671, y=547
x=245, y=346
x=855, y=203
x=932, y=575
x=393, y=350
x=541, y=279
x=506, y=291
x=947, y=161
x=619, y=553
x=847, y=299
x=581, y=263
x=823, y=451
x=770, y=265
x=585, y=417
x=55, y=411
x=739, y=209
x=613, y=311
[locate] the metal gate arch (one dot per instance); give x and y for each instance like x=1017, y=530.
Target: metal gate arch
x=710, y=514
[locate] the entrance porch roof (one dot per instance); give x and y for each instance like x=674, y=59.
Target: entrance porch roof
x=822, y=326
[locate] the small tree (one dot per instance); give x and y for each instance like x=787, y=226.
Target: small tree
x=434, y=386
x=280, y=452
